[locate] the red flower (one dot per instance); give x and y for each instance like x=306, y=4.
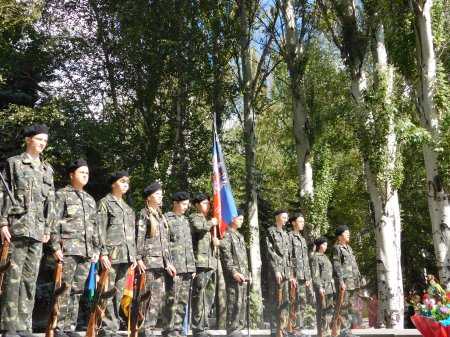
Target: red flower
x=447, y=295
x=425, y=296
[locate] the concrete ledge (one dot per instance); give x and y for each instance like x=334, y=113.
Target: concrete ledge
x=266, y=333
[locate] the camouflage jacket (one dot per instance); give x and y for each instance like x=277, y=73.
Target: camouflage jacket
x=75, y=223
x=233, y=254
x=202, y=241
x=31, y=184
x=152, y=239
x=181, y=250
x=279, y=251
x=299, y=257
x=345, y=267
x=322, y=273
x=116, y=222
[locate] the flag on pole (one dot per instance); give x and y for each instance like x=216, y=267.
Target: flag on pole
x=224, y=207
x=91, y=282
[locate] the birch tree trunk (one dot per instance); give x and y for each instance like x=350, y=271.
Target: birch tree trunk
x=250, y=154
x=438, y=202
x=384, y=197
x=296, y=62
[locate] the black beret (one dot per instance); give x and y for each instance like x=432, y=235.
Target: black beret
x=35, y=129
x=295, y=216
x=73, y=166
x=319, y=241
x=341, y=229
x=116, y=176
x=152, y=188
x=180, y=196
x=199, y=197
x=280, y=211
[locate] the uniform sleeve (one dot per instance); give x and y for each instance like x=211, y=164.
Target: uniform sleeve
x=272, y=255
x=55, y=233
x=102, y=222
x=306, y=264
x=337, y=265
x=140, y=236
x=226, y=256
x=50, y=206
x=199, y=224
x=167, y=257
x=5, y=202
x=315, y=270
x=133, y=233
x=95, y=233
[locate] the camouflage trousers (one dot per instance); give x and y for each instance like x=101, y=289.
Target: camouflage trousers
x=324, y=314
x=155, y=284
x=236, y=306
x=75, y=273
x=176, y=303
x=19, y=284
x=346, y=312
x=298, y=301
x=279, y=306
x=117, y=276
x=203, y=291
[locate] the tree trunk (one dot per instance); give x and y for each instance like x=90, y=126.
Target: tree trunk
x=250, y=158
x=296, y=62
x=438, y=204
x=384, y=197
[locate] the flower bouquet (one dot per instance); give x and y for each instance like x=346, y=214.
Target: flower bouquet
x=432, y=317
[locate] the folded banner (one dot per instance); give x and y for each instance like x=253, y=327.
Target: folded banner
x=224, y=207
x=91, y=282
x=127, y=297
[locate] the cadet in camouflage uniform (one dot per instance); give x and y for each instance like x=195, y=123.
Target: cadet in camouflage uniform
x=182, y=255
x=347, y=276
x=25, y=223
x=300, y=266
x=233, y=254
x=322, y=275
x=278, y=246
x=205, y=244
x=116, y=221
x=153, y=254
x=75, y=241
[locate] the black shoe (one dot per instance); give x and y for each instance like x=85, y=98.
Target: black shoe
x=72, y=334
x=10, y=333
x=25, y=333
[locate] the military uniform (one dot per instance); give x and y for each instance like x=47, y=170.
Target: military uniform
x=76, y=232
x=322, y=275
x=278, y=246
x=29, y=219
x=116, y=221
x=182, y=254
x=234, y=259
x=302, y=273
x=204, y=287
x=346, y=271
x=153, y=249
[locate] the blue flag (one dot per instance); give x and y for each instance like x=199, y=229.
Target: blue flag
x=91, y=282
x=224, y=207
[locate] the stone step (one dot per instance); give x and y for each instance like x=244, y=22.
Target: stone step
x=266, y=333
